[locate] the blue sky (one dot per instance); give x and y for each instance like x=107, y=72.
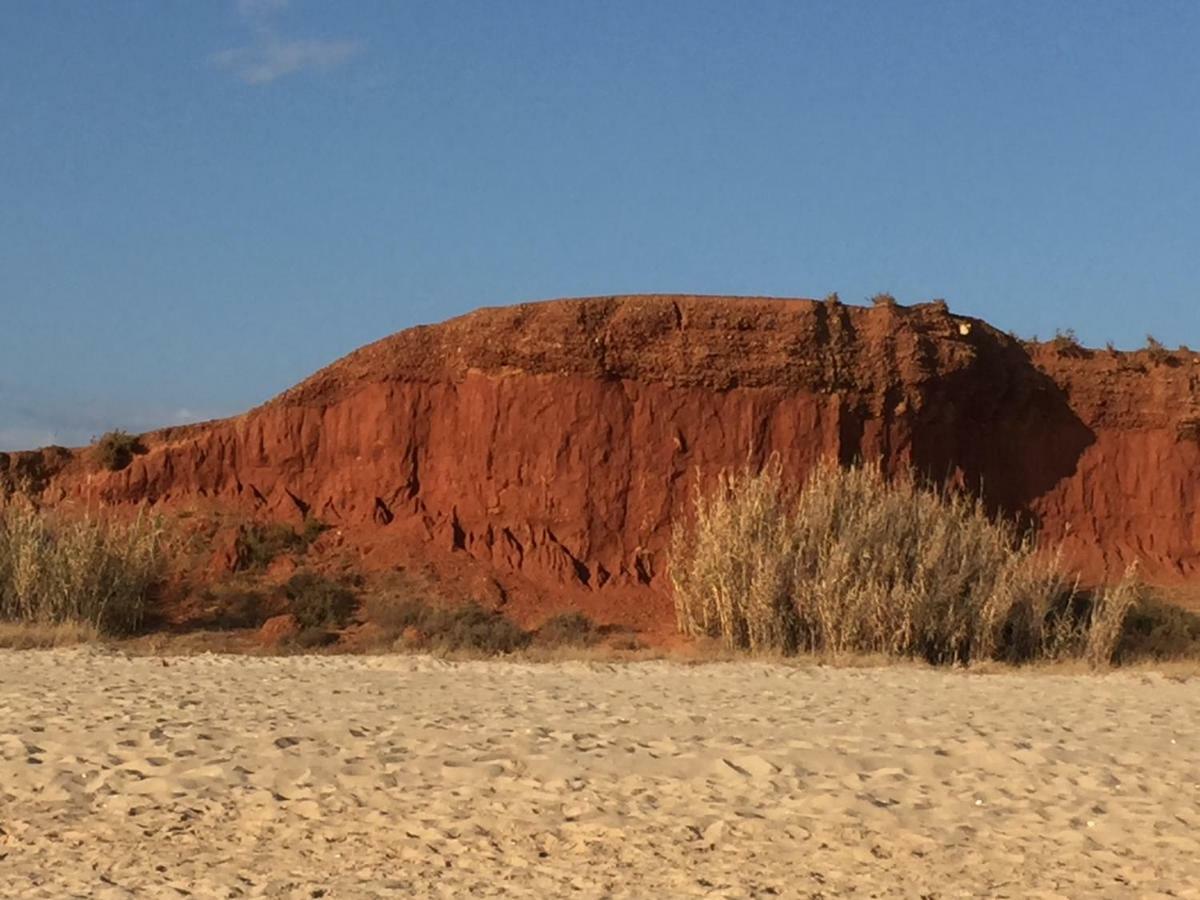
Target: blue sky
x=204, y=202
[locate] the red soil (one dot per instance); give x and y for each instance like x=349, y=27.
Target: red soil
x=540, y=452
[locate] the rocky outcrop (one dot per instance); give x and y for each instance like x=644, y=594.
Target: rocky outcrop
x=556, y=442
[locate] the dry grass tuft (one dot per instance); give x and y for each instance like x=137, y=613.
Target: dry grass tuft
x=100, y=574
x=855, y=564
x=34, y=636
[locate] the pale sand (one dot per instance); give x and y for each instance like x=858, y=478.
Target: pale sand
x=365, y=777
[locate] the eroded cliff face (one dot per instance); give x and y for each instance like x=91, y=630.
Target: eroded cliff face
x=557, y=442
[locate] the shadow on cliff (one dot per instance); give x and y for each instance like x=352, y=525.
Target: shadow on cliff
x=1001, y=427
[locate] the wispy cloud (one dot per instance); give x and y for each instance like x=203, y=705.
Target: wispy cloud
x=270, y=56
x=250, y=8
x=273, y=58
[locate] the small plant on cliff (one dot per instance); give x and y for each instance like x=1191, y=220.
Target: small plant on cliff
x=1157, y=352
x=856, y=563
x=883, y=300
x=115, y=449
x=100, y=574
x=1066, y=343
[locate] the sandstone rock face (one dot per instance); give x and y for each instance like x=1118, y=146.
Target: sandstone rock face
x=555, y=443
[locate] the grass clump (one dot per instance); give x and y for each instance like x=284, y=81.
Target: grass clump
x=115, y=450
x=854, y=563
x=86, y=572
x=33, y=636
x=319, y=602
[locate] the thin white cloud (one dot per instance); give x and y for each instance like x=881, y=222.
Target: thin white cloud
x=273, y=58
x=250, y=8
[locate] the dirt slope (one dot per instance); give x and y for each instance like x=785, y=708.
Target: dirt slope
x=552, y=444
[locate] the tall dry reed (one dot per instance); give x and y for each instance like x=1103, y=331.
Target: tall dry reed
x=853, y=562
x=96, y=573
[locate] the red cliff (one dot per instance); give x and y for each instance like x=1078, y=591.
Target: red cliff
x=554, y=443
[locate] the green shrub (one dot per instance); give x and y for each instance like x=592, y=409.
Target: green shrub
x=115, y=450
x=572, y=629
x=261, y=543
x=453, y=628
x=233, y=607
x=472, y=628
x=98, y=573
x=1156, y=630
x=855, y=563
x=313, y=528
x=312, y=639
x=319, y=602
x=393, y=614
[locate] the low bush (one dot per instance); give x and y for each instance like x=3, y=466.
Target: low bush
x=1159, y=631
x=569, y=629
x=854, y=563
x=441, y=626
x=472, y=628
x=115, y=450
x=261, y=543
x=319, y=602
x=233, y=606
x=312, y=639
x=98, y=573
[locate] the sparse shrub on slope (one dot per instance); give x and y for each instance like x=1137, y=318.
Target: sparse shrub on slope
x=260, y=543
x=854, y=563
x=97, y=573
x=115, y=450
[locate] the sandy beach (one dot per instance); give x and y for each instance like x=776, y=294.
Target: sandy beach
x=219, y=776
